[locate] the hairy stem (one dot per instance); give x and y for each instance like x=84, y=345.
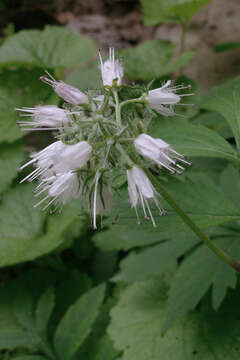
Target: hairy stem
x=191, y=224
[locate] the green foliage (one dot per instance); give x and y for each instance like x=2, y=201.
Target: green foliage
x=195, y=199
x=152, y=59
x=158, y=11
x=195, y=140
x=19, y=88
x=76, y=324
x=224, y=99
x=55, y=47
x=138, y=318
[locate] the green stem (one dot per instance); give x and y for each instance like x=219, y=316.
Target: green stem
x=191, y=224
x=132, y=101
x=117, y=107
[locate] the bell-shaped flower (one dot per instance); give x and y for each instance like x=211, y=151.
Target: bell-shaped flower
x=111, y=69
x=58, y=158
x=141, y=190
x=160, y=152
x=67, y=92
x=164, y=98
x=60, y=188
x=48, y=117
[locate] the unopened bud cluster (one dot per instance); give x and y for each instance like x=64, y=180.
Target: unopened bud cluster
x=97, y=137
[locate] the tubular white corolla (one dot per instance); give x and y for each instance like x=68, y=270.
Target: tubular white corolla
x=69, y=93
x=165, y=95
x=48, y=117
x=58, y=158
x=141, y=190
x=61, y=188
x=111, y=69
x=160, y=152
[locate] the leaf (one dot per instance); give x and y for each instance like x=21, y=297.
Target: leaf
x=76, y=324
x=11, y=158
x=205, y=335
x=29, y=357
x=157, y=11
x=226, y=46
x=18, y=89
x=21, y=236
x=154, y=260
x=85, y=78
x=230, y=181
x=214, y=121
x=224, y=99
x=195, y=140
x=205, y=203
x=44, y=310
x=197, y=273
x=53, y=47
x=151, y=59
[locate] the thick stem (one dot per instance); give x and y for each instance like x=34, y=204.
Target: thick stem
x=191, y=224
x=117, y=107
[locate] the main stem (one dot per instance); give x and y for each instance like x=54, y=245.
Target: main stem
x=190, y=223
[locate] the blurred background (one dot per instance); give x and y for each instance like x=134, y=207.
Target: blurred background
x=123, y=24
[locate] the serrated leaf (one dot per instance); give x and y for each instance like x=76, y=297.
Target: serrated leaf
x=52, y=47
x=154, y=260
x=11, y=158
x=17, y=89
x=21, y=234
x=44, y=310
x=77, y=322
x=151, y=59
x=158, y=11
x=195, y=140
x=198, y=272
x=138, y=318
x=224, y=99
x=204, y=203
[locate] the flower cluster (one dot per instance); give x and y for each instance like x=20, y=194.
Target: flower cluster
x=98, y=135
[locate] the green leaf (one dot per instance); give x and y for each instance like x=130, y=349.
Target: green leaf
x=77, y=322
x=151, y=59
x=226, y=46
x=11, y=158
x=29, y=357
x=157, y=11
x=230, y=181
x=17, y=89
x=138, y=318
x=85, y=78
x=54, y=47
x=21, y=236
x=44, y=310
x=214, y=121
x=154, y=260
x=197, y=273
x=224, y=99
x=205, y=203
x=195, y=140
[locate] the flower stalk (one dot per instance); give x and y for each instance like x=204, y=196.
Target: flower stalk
x=191, y=224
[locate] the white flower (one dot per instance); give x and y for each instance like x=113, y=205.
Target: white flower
x=111, y=69
x=69, y=93
x=160, y=152
x=61, y=188
x=141, y=190
x=58, y=158
x=50, y=117
x=165, y=95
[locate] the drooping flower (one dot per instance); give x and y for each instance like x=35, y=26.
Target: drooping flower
x=141, y=190
x=164, y=98
x=60, y=189
x=58, y=158
x=67, y=92
x=160, y=152
x=111, y=69
x=48, y=117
